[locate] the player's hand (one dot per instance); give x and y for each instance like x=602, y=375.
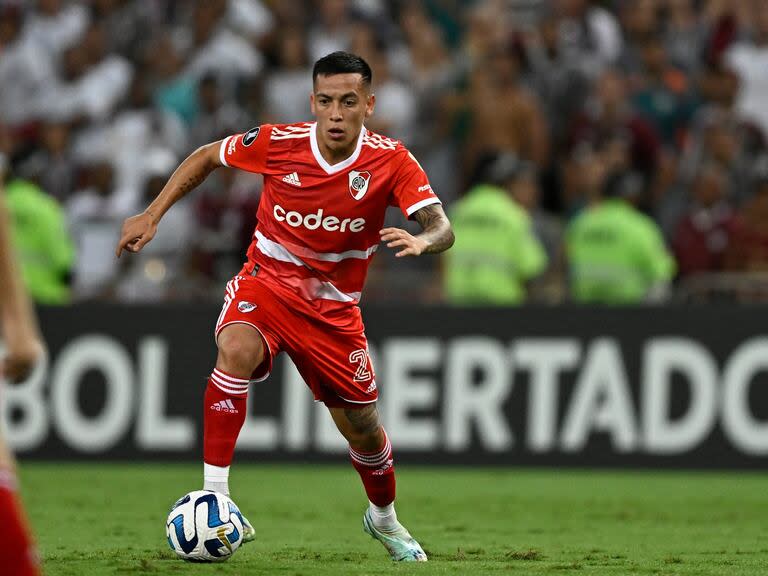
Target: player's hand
x=20, y=358
x=137, y=231
x=395, y=237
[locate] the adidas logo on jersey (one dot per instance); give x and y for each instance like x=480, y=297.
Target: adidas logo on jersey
x=292, y=179
x=224, y=406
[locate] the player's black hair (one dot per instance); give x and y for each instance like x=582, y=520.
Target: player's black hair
x=342, y=63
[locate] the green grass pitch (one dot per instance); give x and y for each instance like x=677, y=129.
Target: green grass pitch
x=101, y=519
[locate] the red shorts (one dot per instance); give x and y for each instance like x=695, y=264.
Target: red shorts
x=332, y=358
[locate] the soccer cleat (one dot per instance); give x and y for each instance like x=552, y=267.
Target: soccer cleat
x=398, y=542
x=249, y=534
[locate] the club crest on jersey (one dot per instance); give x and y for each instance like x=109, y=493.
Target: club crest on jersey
x=251, y=135
x=246, y=306
x=358, y=183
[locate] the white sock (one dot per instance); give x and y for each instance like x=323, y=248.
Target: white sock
x=383, y=516
x=216, y=478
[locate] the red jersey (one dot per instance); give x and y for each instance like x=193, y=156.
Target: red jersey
x=318, y=224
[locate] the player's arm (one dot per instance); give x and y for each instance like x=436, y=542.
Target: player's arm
x=437, y=235
x=140, y=229
x=17, y=320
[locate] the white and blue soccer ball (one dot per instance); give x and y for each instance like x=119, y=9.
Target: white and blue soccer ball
x=204, y=526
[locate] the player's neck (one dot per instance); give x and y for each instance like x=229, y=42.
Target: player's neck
x=337, y=155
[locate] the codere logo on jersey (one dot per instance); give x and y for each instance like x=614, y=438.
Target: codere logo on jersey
x=316, y=219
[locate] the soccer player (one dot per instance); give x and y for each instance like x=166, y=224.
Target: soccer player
x=327, y=185
x=23, y=347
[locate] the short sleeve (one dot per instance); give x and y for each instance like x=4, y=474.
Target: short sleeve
x=412, y=190
x=247, y=151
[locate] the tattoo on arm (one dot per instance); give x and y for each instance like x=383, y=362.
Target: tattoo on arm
x=437, y=228
x=192, y=183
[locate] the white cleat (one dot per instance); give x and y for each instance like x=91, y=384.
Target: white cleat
x=249, y=534
x=399, y=543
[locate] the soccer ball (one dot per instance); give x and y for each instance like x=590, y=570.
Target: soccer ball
x=204, y=526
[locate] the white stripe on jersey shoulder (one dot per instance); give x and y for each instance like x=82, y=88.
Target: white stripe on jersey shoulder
x=419, y=205
x=222, y=150
x=292, y=127
x=285, y=132
x=380, y=142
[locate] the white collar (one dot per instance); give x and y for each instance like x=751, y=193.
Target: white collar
x=339, y=166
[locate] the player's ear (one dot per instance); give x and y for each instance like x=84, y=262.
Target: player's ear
x=312, y=103
x=369, y=105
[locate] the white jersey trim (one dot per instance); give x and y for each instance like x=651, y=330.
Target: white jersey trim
x=419, y=205
x=280, y=252
x=338, y=167
x=327, y=291
x=222, y=150
x=319, y=289
x=274, y=250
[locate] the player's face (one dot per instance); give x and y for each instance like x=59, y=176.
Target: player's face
x=340, y=103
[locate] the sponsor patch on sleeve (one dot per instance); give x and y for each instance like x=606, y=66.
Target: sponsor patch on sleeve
x=251, y=135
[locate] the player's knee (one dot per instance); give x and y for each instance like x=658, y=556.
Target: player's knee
x=240, y=351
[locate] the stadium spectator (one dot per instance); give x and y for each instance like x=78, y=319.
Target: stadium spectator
x=216, y=114
x=589, y=35
x=332, y=29
x=503, y=114
x=684, y=35
x=156, y=272
x=39, y=233
x=496, y=252
x=57, y=171
x=609, y=116
x=749, y=246
x=57, y=25
x=137, y=127
x=748, y=60
x=174, y=89
x=701, y=240
x=616, y=255
x=395, y=101
x=286, y=88
x=94, y=213
x=26, y=72
x=663, y=95
x=217, y=49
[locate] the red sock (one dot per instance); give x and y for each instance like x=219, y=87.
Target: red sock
x=377, y=471
x=225, y=403
x=16, y=549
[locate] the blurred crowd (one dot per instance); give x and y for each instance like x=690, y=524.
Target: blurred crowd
x=566, y=116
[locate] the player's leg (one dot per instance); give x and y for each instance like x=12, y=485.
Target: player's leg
x=371, y=454
x=241, y=351
x=16, y=548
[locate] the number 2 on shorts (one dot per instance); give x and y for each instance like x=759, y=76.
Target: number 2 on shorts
x=360, y=357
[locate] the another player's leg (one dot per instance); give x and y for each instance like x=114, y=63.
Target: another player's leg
x=241, y=351
x=16, y=548
x=371, y=453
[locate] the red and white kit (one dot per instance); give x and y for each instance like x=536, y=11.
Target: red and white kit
x=317, y=232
